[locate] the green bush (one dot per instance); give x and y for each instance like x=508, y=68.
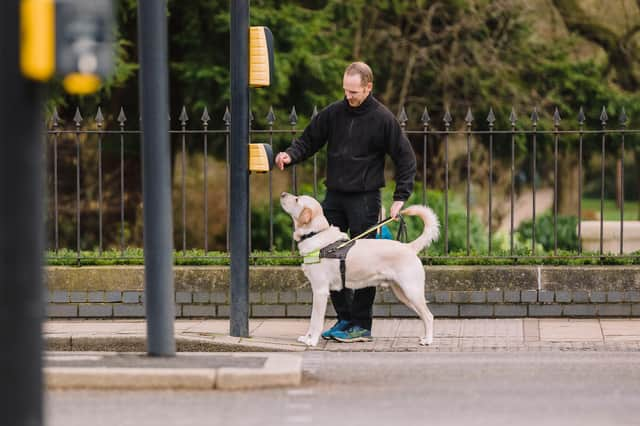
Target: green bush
x=282, y=228
x=567, y=232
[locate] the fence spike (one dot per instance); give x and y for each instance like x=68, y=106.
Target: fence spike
x=513, y=118
x=491, y=118
x=205, y=117
x=227, y=117
x=293, y=117
x=556, y=117
x=77, y=118
x=603, y=115
x=99, y=117
x=534, y=116
x=469, y=117
x=425, y=119
x=271, y=116
x=623, y=117
x=55, y=118
x=183, y=116
x=402, y=116
x=447, y=118
x=315, y=112
x=581, y=116
x=121, y=117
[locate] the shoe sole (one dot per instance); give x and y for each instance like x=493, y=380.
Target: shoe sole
x=355, y=339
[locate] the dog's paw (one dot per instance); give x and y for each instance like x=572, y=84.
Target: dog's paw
x=308, y=340
x=426, y=341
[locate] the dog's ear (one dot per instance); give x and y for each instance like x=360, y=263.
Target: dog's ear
x=305, y=217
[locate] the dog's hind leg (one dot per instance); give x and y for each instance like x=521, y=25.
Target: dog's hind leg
x=415, y=300
x=425, y=315
x=318, y=310
x=397, y=290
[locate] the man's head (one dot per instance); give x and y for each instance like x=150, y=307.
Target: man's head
x=357, y=83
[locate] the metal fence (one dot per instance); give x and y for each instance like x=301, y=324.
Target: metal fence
x=85, y=220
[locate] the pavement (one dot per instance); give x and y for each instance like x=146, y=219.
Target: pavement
x=111, y=354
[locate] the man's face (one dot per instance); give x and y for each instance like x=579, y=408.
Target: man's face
x=354, y=91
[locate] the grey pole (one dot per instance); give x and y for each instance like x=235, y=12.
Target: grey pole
x=156, y=179
x=239, y=159
x=21, y=233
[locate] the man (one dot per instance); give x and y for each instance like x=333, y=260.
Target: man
x=358, y=131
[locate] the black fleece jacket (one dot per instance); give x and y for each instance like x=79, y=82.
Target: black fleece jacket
x=357, y=141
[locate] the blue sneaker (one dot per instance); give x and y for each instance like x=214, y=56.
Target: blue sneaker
x=354, y=334
x=341, y=325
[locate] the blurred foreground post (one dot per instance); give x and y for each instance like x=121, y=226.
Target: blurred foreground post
x=21, y=232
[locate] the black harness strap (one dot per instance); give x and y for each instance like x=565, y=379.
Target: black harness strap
x=334, y=251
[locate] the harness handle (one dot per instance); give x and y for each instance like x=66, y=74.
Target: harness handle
x=402, y=230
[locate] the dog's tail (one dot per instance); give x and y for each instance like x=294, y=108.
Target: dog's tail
x=431, y=229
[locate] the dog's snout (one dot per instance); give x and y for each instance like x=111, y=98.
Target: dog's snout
x=284, y=194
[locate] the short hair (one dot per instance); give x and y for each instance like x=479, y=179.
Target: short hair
x=361, y=69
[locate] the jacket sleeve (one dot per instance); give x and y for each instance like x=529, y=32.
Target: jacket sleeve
x=313, y=138
x=400, y=150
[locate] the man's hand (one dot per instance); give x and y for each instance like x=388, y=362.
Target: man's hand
x=395, y=209
x=282, y=159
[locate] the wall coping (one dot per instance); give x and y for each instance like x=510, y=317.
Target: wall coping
x=266, y=278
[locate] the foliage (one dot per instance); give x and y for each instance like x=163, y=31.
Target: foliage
x=457, y=222
x=285, y=258
x=566, y=228
x=260, y=228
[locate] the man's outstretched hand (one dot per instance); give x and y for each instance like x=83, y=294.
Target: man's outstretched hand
x=282, y=159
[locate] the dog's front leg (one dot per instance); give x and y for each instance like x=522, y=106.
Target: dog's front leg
x=318, y=310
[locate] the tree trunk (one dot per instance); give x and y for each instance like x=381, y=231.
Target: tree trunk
x=568, y=182
x=615, y=45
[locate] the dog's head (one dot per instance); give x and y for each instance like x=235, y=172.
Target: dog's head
x=306, y=213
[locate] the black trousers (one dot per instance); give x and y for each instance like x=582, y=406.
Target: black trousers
x=353, y=212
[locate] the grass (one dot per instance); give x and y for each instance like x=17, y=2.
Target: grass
x=611, y=210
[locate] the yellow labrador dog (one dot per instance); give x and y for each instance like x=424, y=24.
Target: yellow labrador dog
x=369, y=262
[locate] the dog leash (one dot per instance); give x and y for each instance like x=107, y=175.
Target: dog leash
x=402, y=230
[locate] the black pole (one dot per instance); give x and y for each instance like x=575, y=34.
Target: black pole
x=239, y=168
x=156, y=179
x=21, y=232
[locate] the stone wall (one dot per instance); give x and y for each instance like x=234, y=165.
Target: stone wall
x=453, y=291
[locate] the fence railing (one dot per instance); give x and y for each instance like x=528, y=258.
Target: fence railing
x=94, y=185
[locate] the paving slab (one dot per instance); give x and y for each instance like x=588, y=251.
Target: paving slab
x=493, y=328
x=567, y=329
x=447, y=328
x=620, y=330
x=411, y=328
x=531, y=329
x=387, y=328
x=277, y=328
